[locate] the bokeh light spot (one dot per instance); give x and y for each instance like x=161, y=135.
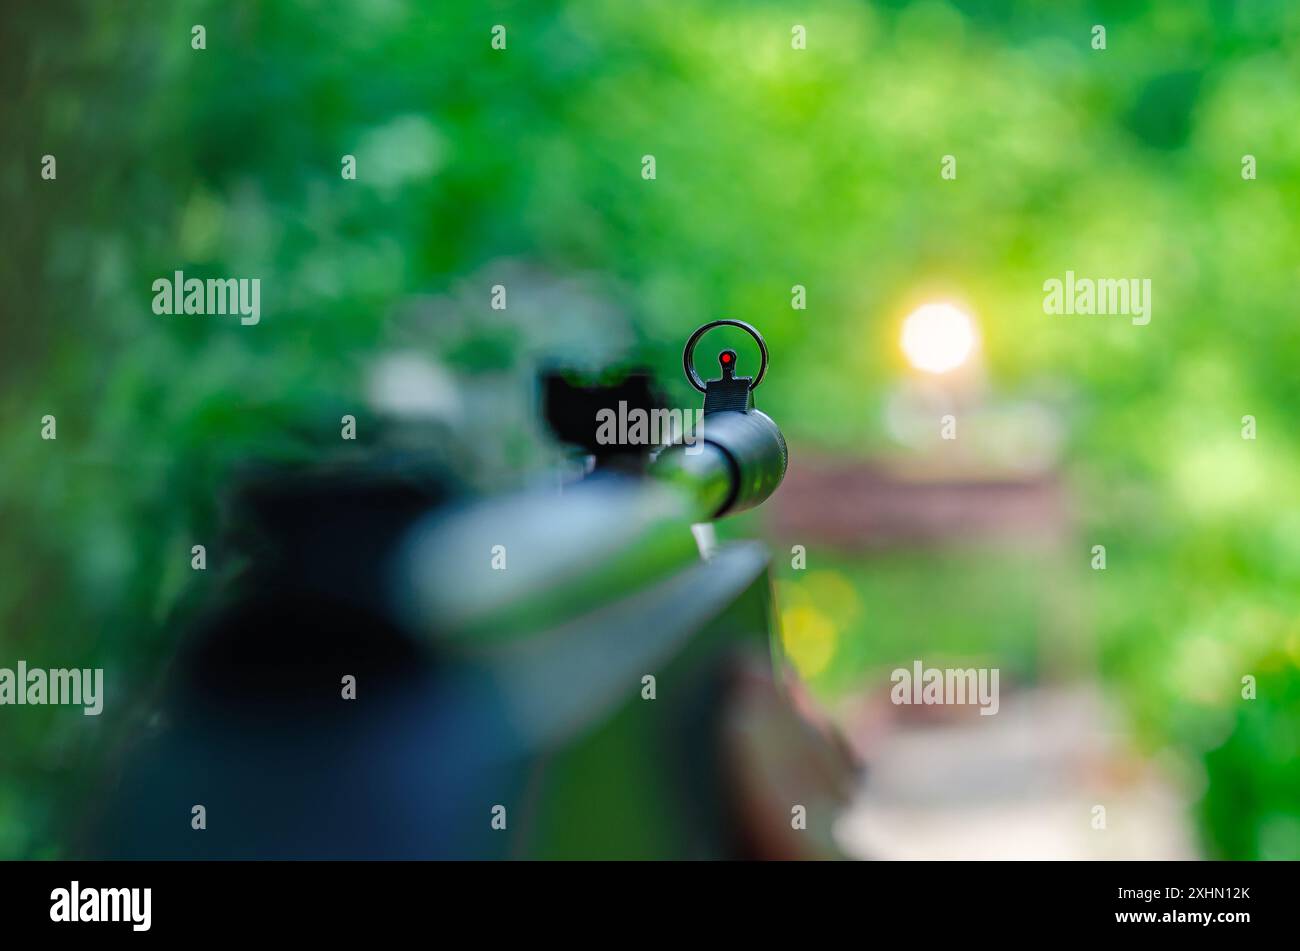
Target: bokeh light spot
x=938, y=337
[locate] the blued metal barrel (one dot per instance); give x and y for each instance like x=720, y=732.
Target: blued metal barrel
x=738, y=460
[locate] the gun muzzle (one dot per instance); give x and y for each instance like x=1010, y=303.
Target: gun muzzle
x=737, y=461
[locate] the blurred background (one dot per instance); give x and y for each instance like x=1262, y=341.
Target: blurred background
x=783, y=177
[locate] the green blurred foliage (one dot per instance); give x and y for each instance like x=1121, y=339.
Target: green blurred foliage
x=775, y=167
